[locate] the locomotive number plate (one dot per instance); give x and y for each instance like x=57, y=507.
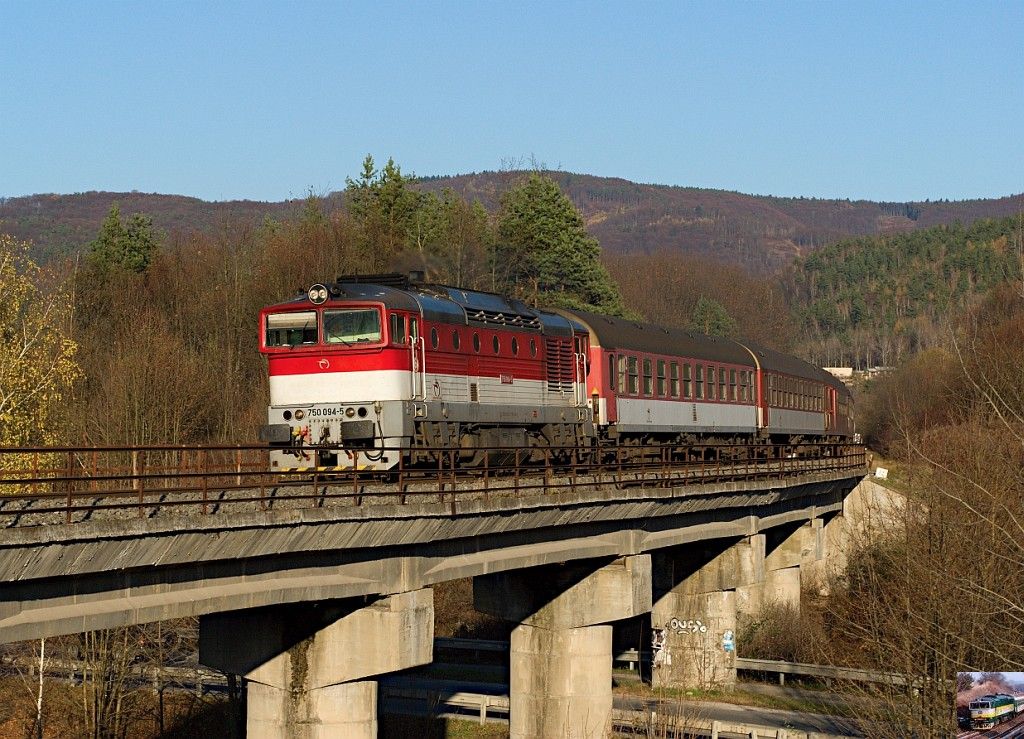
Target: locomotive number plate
x=325, y=412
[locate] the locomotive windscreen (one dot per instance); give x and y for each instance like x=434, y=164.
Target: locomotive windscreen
x=352, y=326
x=291, y=329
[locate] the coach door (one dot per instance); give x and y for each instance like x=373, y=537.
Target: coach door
x=830, y=407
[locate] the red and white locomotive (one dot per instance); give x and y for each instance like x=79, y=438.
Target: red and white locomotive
x=368, y=369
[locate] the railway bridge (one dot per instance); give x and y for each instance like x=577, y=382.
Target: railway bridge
x=311, y=586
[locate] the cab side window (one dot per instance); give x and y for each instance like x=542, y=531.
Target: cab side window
x=397, y=329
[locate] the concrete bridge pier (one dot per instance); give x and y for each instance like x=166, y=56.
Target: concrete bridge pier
x=560, y=661
x=693, y=622
x=791, y=554
x=307, y=664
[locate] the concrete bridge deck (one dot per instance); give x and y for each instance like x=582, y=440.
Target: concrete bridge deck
x=286, y=585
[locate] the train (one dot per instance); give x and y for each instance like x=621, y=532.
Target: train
x=989, y=710
x=370, y=372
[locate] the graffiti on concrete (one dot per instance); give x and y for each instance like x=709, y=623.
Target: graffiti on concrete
x=687, y=626
x=659, y=655
x=728, y=641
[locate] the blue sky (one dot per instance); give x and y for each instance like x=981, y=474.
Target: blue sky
x=226, y=100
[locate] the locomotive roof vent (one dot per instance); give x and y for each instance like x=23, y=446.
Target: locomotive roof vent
x=390, y=279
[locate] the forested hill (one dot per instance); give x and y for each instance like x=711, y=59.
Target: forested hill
x=759, y=233
x=871, y=300
x=62, y=224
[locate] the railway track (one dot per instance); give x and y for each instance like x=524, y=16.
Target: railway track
x=73, y=484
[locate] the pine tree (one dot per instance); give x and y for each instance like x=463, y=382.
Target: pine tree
x=710, y=317
x=118, y=246
x=386, y=209
x=545, y=255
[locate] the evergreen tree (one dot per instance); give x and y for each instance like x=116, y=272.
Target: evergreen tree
x=386, y=210
x=710, y=317
x=545, y=255
x=119, y=246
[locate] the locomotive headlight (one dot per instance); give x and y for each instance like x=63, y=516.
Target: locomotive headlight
x=300, y=414
x=350, y=412
x=317, y=294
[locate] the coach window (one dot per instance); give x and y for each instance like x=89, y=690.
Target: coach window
x=733, y=392
x=743, y=386
x=533, y=347
x=455, y=339
x=771, y=389
x=433, y=338
x=622, y=383
x=496, y=344
x=397, y=329
x=674, y=379
x=648, y=378
x=632, y=367
x=476, y=342
x=700, y=381
x=723, y=393
x=515, y=347
x=710, y=395
x=661, y=378
x=612, y=378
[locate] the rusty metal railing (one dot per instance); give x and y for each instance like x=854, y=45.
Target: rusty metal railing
x=69, y=484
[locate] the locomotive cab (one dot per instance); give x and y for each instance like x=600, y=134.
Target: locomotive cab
x=339, y=367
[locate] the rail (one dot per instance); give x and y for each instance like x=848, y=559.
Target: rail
x=69, y=484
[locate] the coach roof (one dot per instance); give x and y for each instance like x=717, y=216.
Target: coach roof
x=621, y=334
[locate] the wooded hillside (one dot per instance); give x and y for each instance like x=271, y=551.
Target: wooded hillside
x=874, y=300
x=758, y=233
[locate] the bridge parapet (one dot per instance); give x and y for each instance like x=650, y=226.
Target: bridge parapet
x=85, y=484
